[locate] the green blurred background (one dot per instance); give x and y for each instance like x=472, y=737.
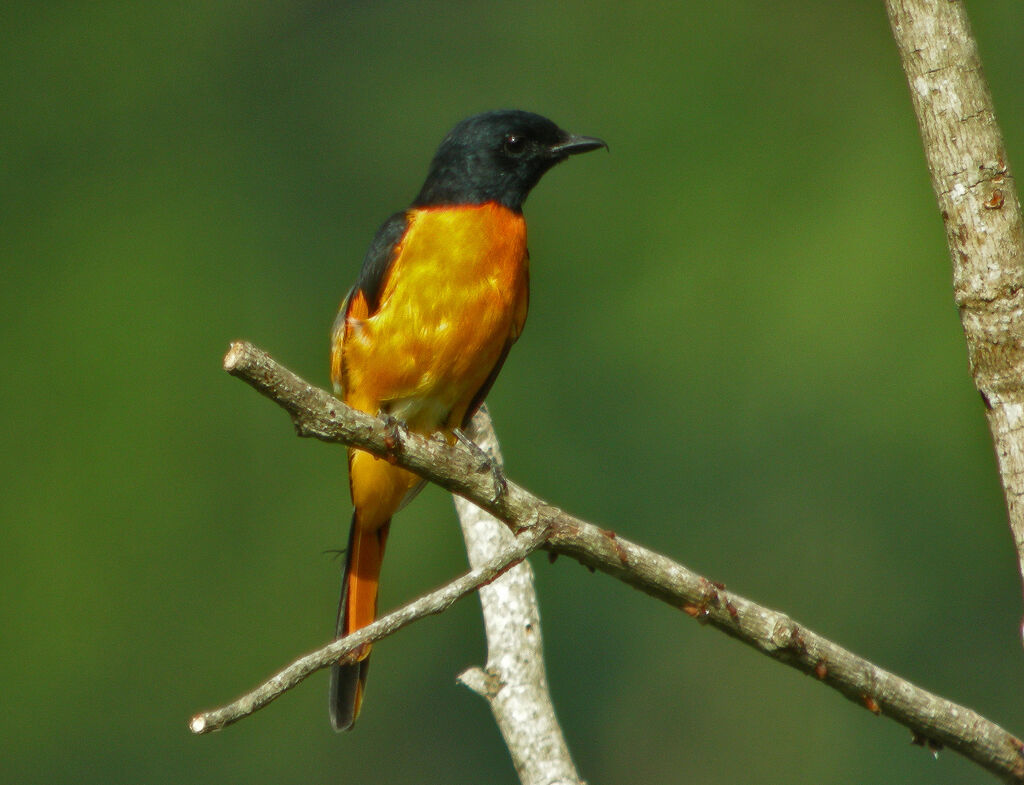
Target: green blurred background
x=742, y=352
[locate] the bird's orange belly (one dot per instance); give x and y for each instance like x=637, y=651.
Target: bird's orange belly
x=454, y=298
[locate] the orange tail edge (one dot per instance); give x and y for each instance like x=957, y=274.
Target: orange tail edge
x=358, y=608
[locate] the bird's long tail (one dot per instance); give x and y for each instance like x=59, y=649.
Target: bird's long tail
x=358, y=608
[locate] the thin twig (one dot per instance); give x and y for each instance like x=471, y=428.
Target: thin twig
x=433, y=603
x=933, y=720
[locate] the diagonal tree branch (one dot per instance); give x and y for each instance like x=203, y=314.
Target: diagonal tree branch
x=438, y=601
x=981, y=211
x=932, y=719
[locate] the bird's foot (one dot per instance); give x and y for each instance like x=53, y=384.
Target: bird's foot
x=485, y=464
x=396, y=430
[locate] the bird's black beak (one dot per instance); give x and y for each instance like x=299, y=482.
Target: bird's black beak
x=572, y=144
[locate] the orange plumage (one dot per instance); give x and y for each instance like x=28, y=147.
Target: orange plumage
x=442, y=296
x=423, y=360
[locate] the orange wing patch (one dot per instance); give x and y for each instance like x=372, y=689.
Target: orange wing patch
x=353, y=308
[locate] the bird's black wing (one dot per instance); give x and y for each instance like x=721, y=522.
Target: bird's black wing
x=379, y=256
x=371, y=280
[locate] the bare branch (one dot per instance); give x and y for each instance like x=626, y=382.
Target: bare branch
x=932, y=719
x=981, y=211
x=514, y=682
x=437, y=601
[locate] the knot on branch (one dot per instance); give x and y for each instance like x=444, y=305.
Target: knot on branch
x=483, y=682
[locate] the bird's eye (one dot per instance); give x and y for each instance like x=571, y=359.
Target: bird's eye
x=515, y=145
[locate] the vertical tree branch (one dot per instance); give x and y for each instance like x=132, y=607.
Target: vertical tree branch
x=514, y=681
x=981, y=212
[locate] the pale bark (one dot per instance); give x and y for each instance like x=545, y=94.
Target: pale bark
x=981, y=212
x=933, y=720
x=514, y=681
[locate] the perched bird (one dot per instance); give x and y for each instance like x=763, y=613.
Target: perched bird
x=441, y=297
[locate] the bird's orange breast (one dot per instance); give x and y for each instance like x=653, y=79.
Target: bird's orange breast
x=453, y=299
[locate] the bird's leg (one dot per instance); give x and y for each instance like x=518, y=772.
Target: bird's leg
x=486, y=463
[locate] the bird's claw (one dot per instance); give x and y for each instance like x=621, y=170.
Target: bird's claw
x=396, y=430
x=485, y=464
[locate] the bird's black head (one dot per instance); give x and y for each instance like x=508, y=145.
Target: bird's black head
x=497, y=157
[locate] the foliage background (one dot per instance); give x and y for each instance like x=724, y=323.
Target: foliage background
x=742, y=352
